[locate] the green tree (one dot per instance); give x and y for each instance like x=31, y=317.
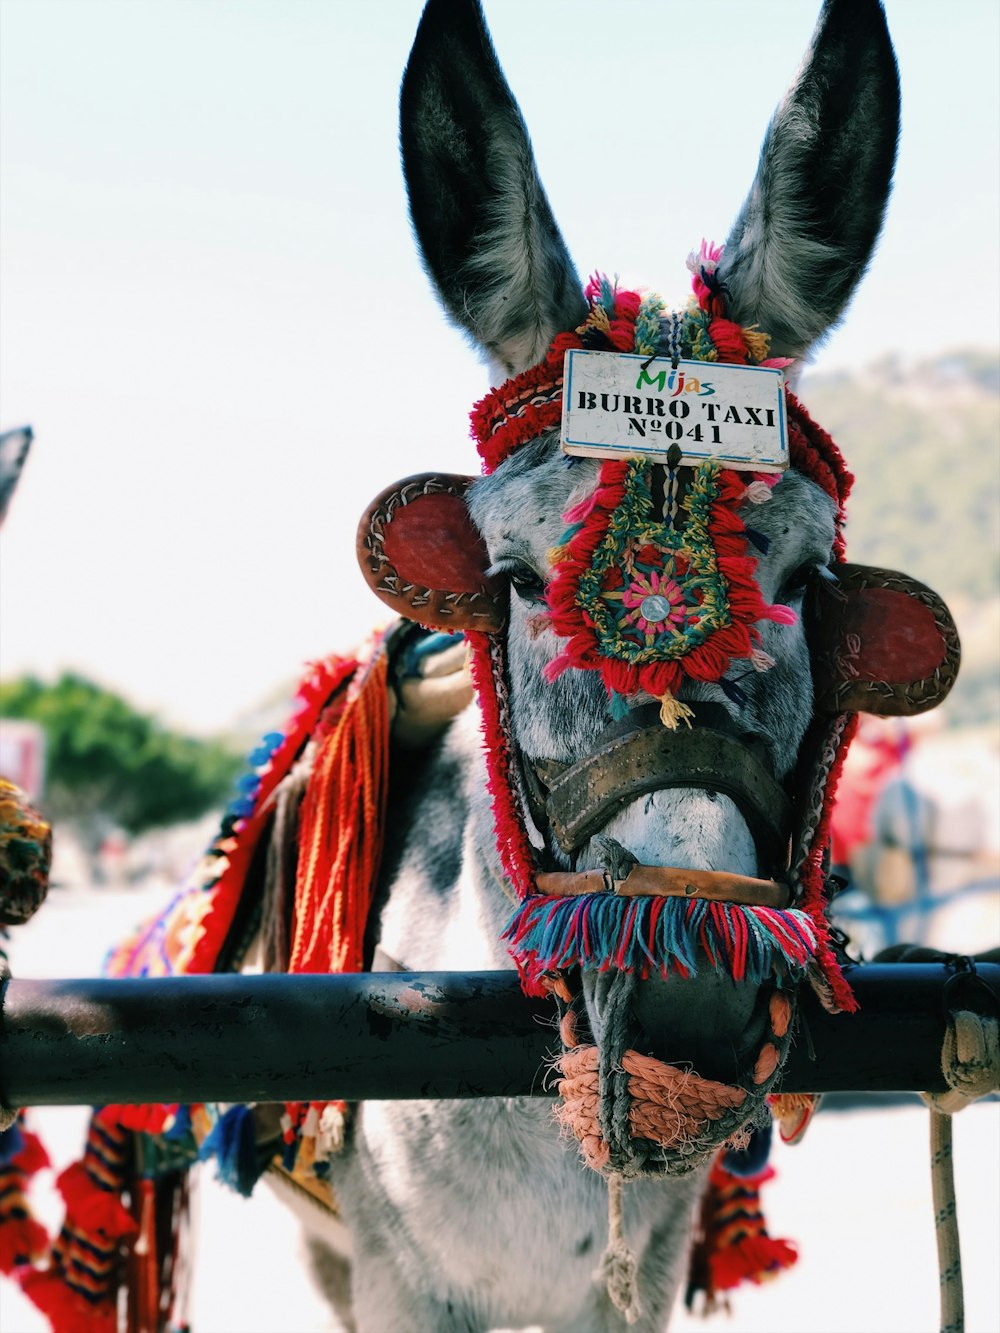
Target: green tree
x=108, y=763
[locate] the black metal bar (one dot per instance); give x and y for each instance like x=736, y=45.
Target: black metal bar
x=397, y=1035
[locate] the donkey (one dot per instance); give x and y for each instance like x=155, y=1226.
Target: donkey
x=469, y=1216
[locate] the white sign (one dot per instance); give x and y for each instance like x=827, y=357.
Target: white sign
x=617, y=404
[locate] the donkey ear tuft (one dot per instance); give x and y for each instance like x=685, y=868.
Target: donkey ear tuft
x=809, y=225
x=487, y=235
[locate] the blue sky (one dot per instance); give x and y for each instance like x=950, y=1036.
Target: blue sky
x=205, y=250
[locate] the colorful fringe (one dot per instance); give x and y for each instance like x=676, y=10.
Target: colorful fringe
x=79, y=1292
x=23, y=1240
x=488, y=666
x=341, y=827
x=657, y=935
x=732, y=1244
x=342, y=708
x=189, y=935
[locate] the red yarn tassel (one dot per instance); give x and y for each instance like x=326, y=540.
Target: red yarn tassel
x=93, y=1207
x=23, y=1240
x=732, y=1244
x=32, y=1156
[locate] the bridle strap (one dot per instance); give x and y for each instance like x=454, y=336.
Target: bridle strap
x=717, y=886
x=582, y=797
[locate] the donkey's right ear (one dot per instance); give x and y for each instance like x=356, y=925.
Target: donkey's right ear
x=487, y=235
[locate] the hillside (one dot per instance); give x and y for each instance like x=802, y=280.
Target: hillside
x=923, y=441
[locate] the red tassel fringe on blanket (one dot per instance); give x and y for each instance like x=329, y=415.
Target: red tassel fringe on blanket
x=23, y=1240
x=343, y=710
x=731, y=1243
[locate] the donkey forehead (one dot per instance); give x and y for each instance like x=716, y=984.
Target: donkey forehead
x=519, y=510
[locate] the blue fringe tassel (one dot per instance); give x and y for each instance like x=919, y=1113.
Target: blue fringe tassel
x=181, y=1128
x=751, y=1160
x=11, y=1143
x=232, y=1143
x=619, y=705
x=602, y=930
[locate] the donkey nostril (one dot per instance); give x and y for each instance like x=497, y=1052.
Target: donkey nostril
x=707, y=1021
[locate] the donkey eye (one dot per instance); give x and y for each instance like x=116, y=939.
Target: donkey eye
x=797, y=582
x=526, y=583
x=523, y=579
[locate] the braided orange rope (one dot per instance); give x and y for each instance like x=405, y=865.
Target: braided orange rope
x=340, y=834
x=669, y=1105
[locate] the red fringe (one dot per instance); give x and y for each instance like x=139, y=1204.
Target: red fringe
x=141, y=1119
x=516, y=856
x=813, y=880
x=815, y=455
x=89, y=1207
x=23, y=1240
x=67, y=1310
x=32, y=1156
x=731, y=1242
x=750, y=1259
x=341, y=827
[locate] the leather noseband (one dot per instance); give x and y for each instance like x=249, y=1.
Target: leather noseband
x=638, y=756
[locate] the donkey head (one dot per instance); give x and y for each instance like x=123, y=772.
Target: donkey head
x=793, y=258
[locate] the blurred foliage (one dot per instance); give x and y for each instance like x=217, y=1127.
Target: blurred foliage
x=107, y=763
x=924, y=444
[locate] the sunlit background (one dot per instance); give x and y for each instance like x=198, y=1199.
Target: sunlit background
x=213, y=317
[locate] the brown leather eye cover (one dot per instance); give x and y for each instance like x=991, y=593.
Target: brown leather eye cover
x=880, y=643
x=422, y=555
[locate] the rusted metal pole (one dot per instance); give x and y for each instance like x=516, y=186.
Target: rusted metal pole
x=398, y=1035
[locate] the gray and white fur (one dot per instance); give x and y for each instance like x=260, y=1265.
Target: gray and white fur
x=467, y=1216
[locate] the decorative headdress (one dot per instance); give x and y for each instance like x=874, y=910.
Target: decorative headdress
x=648, y=601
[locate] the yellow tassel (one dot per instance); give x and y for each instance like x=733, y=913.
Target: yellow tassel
x=793, y=1112
x=673, y=712
x=305, y=1157
x=758, y=343
x=556, y=554
x=597, y=319
x=201, y=1124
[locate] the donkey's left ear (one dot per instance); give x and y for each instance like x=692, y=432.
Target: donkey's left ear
x=811, y=220
x=487, y=235
x=421, y=553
